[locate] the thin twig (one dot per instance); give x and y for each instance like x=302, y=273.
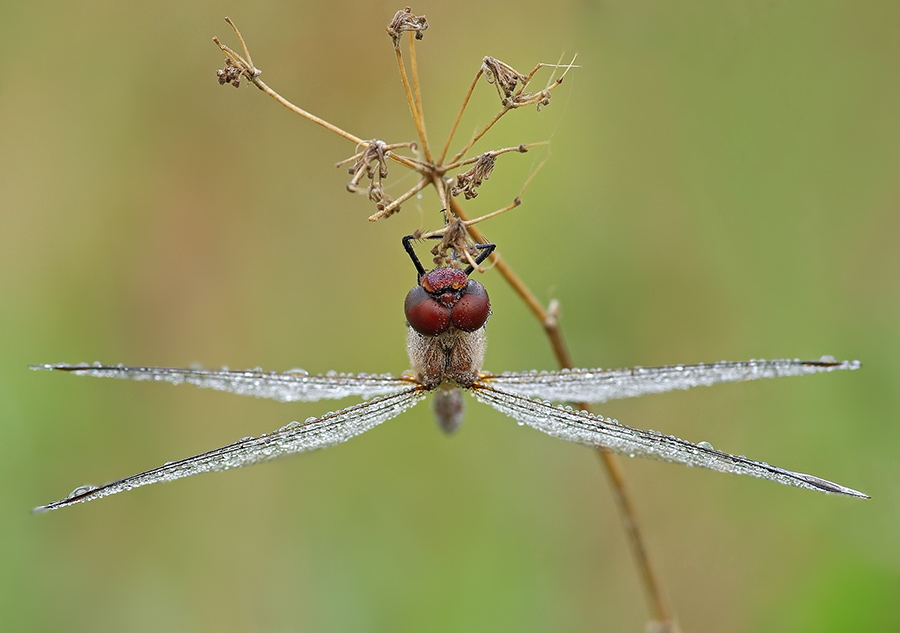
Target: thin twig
x=521, y=149
x=395, y=205
x=410, y=100
x=459, y=114
x=417, y=94
x=477, y=137
x=241, y=40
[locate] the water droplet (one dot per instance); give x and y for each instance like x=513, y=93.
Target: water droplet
x=827, y=358
x=80, y=490
x=310, y=419
x=706, y=445
x=293, y=424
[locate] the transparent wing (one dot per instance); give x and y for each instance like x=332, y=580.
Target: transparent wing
x=331, y=428
x=582, y=427
x=600, y=385
x=291, y=386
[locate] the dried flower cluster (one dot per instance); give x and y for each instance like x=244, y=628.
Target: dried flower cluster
x=370, y=163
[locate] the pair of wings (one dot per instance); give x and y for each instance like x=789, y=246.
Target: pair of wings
x=511, y=393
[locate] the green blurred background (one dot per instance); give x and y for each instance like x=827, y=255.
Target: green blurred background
x=724, y=184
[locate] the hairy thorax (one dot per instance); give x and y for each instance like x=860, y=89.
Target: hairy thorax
x=453, y=355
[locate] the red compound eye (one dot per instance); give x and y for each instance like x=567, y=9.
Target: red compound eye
x=473, y=308
x=425, y=315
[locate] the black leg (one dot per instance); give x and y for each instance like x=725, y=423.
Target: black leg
x=486, y=250
x=407, y=245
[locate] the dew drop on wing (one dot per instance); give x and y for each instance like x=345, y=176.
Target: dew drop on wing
x=293, y=424
x=310, y=419
x=706, y=445
x=828, y=358
x=80, y=490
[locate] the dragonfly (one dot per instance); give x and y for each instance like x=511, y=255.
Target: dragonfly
x=446, y=313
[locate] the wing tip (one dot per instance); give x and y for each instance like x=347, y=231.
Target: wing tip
x=830, y=487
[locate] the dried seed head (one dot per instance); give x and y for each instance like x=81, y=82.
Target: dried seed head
x=405, y=20
x=467, y=181
x=503, y=75
x=381, y=199
x=366, y=161
x=231, y=74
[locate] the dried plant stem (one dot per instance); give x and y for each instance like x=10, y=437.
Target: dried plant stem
x=307, y=115
x=658, y=605
x=417, y=94
x=521, y=149
x=413, y=109
x=478, y=136
x=240, y=37
x=487, y=216
x=393, y=206
x=659, y=608
x=403, y=160
x=459, y=115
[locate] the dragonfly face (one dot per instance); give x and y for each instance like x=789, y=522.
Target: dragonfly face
x=446, y=312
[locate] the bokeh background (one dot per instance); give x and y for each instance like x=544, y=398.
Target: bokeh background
x=723, y=183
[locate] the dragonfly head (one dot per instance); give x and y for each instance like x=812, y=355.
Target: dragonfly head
x=445, y=297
